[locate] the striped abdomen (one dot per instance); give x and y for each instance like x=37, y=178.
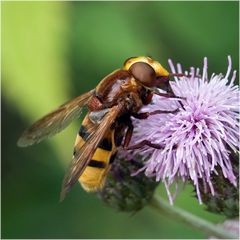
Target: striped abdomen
x=93, y=177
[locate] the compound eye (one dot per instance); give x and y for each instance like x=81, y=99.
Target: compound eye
x=144, y=73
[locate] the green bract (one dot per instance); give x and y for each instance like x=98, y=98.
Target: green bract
x=226, y=198
x=125, y=192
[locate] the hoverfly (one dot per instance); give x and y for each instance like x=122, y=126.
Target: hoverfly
x=107, y=125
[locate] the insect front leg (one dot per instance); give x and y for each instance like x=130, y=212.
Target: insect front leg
x=147, y=98
x=164, y=84
x=144, y=143
x=145, y=115
x=168, y=95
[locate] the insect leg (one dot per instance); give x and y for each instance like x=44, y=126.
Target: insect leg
x=171, y=95
x=145, y=115
x=128, y=134
x=168, y=95
x=147, y=98
x=164, y=84
x=142, y=144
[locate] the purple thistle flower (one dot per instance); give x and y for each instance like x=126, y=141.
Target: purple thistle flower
x=198, y=138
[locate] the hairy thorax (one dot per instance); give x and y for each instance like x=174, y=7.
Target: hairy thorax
x=117, y=87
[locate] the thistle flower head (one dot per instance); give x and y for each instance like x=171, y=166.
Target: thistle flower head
x=196, y=141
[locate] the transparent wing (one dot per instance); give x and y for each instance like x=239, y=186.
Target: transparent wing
x=84, y=155
x=55, y=121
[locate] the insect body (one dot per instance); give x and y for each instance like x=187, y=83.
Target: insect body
x=107, y=125
x=94, y=175
x=108, y=93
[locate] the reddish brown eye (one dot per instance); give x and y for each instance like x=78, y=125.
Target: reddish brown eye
x=144, y=73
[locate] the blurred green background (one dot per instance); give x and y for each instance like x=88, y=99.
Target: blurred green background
x=54, y=51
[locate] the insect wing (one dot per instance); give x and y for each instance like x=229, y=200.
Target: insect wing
x=55, y=121
x=83, y=156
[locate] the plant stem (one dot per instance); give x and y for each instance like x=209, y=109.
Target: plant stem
x=195, y=222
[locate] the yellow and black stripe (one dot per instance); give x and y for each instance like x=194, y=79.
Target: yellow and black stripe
x=93, y=177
